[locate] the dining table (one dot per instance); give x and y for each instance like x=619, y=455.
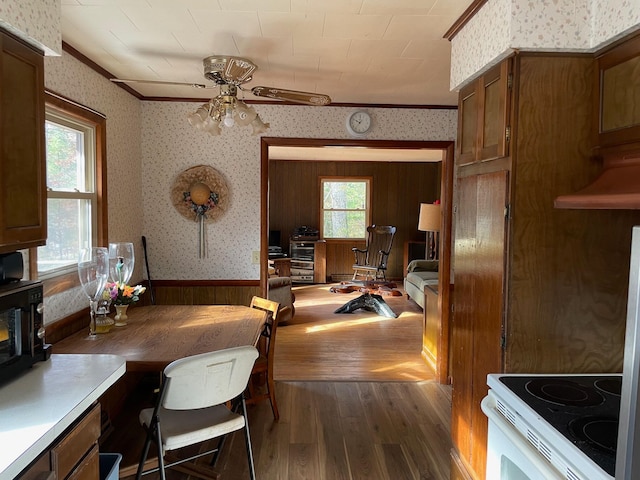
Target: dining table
x=156, y=335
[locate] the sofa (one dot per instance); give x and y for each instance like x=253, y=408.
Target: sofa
x=420, y=273
x=280, y=291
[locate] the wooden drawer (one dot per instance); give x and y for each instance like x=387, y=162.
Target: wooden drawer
x=89, y=466
x=75, y=445
x=40, y=470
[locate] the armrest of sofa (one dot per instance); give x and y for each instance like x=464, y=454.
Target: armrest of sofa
x=280, y=291
x=422, y=266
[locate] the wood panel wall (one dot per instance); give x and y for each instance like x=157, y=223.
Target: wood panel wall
x=190, y=293
x=570, y=268
x=398, y=188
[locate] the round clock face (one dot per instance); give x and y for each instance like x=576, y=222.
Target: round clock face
x=359, y=123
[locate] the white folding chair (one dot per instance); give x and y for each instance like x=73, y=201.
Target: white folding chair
x=191, y=405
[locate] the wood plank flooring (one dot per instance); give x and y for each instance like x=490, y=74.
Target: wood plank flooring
x=381, y=423
x=322, y=345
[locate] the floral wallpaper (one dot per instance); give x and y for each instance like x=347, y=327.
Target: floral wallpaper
x=72, y=79
x=502, y=26
x=37, y=21
x=613, y=19
x=482, y=43
x=550, y=25
x=170, y=145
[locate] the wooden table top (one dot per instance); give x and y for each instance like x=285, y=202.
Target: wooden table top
x=156, y=335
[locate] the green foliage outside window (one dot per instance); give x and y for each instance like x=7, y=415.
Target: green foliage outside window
x=344, y=208
x=69, y=197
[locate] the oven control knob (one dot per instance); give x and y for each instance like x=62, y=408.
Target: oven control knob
x=40, y=308
x=40, y=332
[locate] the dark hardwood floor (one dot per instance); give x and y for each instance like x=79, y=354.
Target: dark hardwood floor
x=388, y=420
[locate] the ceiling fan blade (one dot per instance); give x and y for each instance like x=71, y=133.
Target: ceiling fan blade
x=156, y=82
x=292, y=95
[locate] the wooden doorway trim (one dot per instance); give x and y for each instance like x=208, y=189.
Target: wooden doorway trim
x=446, y=198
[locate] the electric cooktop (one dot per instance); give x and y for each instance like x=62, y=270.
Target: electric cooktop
x=584, y=409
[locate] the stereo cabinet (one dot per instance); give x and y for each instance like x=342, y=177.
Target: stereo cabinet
x=308, y=261
x=23, y=211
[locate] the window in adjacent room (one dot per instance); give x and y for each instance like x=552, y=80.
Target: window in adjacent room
x=74, y=139
x=345, y=207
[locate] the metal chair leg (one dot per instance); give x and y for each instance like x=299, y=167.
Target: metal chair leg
x=145, y=453
x=247, y=438
x=216, y=454
x=160, y=457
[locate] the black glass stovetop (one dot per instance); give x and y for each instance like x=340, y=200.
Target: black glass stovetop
x=585, y=409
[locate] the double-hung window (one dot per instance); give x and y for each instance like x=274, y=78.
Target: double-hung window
x=345, y=207
x=73, y=139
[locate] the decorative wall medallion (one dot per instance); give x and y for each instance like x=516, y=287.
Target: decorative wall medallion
x=200, y=191
x=201, y=194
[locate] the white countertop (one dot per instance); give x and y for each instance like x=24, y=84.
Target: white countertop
x=39, y=405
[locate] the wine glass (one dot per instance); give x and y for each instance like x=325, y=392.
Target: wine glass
x=93, y=270
x=121, y=261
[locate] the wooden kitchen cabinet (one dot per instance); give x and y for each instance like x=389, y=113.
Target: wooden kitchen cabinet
x=618, y=109
x=74, y=456
x=22, y=161
x=537, y=289
x=483, y=116
x=431, y=326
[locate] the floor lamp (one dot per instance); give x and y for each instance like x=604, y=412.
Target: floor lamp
x=429, y=222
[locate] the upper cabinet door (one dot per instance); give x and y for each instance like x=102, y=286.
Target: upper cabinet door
x=22, y=161
x=468, y=124
x=483, y=116
x=618, y=121
x=493, y=137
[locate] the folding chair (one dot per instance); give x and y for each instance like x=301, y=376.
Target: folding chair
x=191, y=406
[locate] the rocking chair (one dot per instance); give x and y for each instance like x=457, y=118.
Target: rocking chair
x=371, y=263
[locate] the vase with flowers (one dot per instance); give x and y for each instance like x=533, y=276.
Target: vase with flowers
x=123, y=295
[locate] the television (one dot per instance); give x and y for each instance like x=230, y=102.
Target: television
x=274, y=238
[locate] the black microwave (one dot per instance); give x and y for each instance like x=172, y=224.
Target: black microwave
x=21, y=328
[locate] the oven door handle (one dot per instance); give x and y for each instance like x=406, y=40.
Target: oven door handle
x=519, y=442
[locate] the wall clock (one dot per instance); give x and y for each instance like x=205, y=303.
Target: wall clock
x=359, y=123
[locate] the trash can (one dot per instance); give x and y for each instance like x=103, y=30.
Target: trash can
x=110, y=466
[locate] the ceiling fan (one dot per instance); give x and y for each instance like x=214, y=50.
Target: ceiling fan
x=229, y=74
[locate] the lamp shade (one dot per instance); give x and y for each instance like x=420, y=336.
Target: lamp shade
x=429, y=220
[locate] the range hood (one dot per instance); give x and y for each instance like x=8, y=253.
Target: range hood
x=617, y=187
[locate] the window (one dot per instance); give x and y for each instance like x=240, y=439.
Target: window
x=345, y=207
x=74, y=139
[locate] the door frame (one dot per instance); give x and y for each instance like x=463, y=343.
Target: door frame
x=446, y=199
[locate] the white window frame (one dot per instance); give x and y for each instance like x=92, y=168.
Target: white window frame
x=367, y=209
x=93, y=126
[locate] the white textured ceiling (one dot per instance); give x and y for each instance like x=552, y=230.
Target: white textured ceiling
x=355, y=51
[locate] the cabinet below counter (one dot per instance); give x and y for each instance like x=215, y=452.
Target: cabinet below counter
x=41, y=404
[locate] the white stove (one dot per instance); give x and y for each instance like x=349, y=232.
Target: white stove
x=544, y=427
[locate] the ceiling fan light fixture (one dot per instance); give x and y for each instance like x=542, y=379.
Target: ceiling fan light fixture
x=244, y=114
x=258, y=126
x=212, y=127
x=228, y=120
x=226, y=110
x=197, y=118
x=229, y=74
